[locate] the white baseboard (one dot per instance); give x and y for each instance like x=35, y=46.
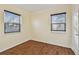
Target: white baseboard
x=75, y=51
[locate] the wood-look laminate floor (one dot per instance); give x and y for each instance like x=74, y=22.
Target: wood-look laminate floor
x=37, y=48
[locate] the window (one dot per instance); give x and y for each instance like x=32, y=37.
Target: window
x=58, y=22
x=11, y=22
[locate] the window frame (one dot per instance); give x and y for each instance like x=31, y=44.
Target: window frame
x=58, y=23
x=19, y=22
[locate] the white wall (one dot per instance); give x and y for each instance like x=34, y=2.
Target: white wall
x=41, y=22
x=9, y=40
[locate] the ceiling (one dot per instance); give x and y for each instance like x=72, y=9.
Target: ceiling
x=37, y=7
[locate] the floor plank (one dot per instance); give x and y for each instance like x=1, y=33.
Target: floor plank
x=37, y=48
